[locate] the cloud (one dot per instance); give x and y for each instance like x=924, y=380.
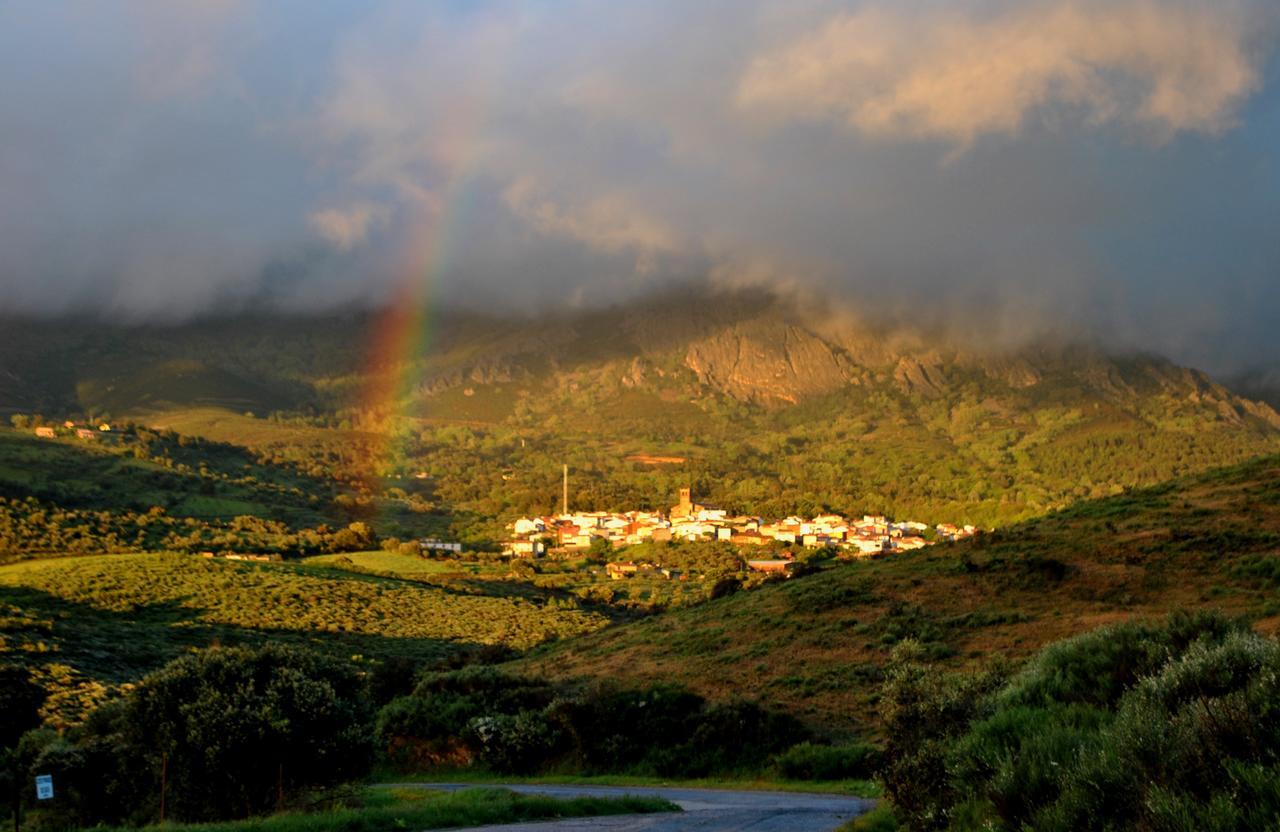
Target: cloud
x=1109, y=166
x=607, y=222
x=183, y=46
x=346, y=228
x=955, y=74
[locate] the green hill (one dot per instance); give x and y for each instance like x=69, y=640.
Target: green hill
x=816, y=645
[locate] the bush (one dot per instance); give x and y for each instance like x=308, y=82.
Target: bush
x=923, y=713
x=1138, y=726
x=518, y=744
x=808, y=761
x=239, y=728
x=521, y=726
x=20, y=701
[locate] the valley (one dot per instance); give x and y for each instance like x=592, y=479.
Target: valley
x=499, y=518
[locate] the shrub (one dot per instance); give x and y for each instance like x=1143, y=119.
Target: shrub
x=519, y=744
x=923, y=713
x=239, y=728
x=20, y=701
x=1138, y=726
x=520, y=725
x=808, y=761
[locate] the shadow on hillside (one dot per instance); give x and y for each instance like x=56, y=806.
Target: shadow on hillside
x=117, y=646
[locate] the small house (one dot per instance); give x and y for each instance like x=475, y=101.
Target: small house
x=771, y=567
x=621, y=569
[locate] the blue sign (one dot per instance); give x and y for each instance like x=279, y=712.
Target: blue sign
x=44, y=787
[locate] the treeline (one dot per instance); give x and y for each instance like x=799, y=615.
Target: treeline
x=1168, y=727
x=133, y=467
x=236, y=732
x=518, y=725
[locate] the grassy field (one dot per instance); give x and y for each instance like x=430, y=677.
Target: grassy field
x=88, y=624
x=816, y=645
x=390, y=810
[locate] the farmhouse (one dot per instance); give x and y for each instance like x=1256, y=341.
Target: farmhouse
x=525, y=548
x=434, y=545
x=45, y=432
x=621, y=569
x=771, y=567
x=271, y=558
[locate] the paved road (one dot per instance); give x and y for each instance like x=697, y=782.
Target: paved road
x=705, y=810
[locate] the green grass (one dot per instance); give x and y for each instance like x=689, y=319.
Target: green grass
x=857, y=788
x=389, y=810
x=879, y=819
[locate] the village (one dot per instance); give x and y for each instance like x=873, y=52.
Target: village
x=570, y=533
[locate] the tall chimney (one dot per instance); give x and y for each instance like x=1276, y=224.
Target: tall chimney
x=566, y=489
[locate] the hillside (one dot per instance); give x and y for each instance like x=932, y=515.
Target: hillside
x=816, y=645
x=765, y=407
x=130, y=469
x=86, y=625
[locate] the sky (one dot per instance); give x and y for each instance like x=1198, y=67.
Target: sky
x=1011, y=168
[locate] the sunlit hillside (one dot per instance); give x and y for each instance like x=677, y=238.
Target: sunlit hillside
x=817, y=645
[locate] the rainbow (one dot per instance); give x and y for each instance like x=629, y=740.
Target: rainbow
x=402, y=333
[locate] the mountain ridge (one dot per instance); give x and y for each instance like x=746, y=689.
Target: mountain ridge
x=748, y=345
x=776, y=409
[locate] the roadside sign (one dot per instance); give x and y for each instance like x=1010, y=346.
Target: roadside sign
x=44, y=787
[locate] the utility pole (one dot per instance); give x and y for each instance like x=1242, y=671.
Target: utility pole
x=566, y=489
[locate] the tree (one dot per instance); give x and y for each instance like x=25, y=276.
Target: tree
x=20, y=701
x=599, y=550
x=238, y=731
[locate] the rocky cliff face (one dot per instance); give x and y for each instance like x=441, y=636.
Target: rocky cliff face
x=769, y=361
x=746, y=345
x=773, y=359
x=756, y=349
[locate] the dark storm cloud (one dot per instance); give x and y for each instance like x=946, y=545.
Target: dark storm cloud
x=1013, y=167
